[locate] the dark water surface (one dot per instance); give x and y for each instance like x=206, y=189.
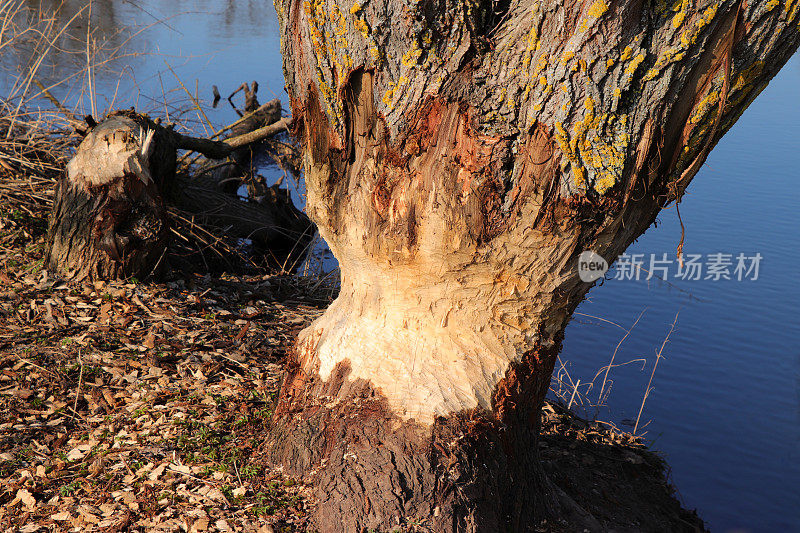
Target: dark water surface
x=725, y=408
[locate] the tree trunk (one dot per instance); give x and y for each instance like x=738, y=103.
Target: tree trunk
x=109, y=219
x=459, y=157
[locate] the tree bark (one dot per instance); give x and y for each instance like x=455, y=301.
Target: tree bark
x=459, y=156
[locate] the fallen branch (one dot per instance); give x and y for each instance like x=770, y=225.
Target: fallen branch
x=235, y=127
x=220, y=149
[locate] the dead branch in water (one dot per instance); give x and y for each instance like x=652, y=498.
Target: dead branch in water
x=219, y=149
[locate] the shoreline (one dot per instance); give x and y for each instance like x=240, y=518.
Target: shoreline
x=134, y=406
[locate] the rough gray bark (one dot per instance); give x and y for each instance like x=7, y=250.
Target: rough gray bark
x=459, y=156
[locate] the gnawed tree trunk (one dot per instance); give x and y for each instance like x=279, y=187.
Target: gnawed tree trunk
x=459, y=156
x=109, y=218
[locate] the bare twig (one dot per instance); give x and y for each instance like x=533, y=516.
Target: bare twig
x=194, y=100
x=572, y=398
x=650, y=383
x=614, y=355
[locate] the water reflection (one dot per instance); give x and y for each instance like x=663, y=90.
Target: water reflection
x=142, y=51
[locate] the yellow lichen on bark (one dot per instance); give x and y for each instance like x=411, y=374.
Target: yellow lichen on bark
x=791, y=9
x=595, y=11
x=681, y=8
x=595, y=151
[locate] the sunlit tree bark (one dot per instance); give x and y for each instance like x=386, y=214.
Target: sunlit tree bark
x=459, y=156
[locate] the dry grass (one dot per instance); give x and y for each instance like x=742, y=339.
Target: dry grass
x=649, y=388
x=584, y=395
x=32, y=156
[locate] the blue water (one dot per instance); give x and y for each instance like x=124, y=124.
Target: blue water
x=725, y=411
x=199, y=42
x=725, y=408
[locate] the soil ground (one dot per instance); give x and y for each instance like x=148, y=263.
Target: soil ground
x=132, y=406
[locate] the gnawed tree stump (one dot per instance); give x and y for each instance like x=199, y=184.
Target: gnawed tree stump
x=109, y=218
